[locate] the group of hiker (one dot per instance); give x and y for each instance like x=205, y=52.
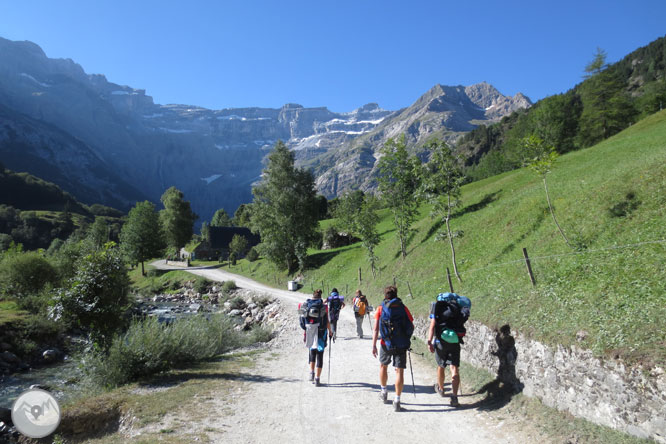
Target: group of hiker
x=394, y=327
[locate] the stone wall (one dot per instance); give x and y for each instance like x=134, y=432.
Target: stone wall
x=630, y=399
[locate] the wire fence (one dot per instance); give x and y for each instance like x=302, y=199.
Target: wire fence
x=497, y=272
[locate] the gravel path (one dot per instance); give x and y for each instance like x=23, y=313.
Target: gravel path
x=281, y=405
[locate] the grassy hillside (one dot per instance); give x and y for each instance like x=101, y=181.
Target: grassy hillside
x=608, y=294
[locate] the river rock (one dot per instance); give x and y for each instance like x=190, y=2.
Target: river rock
x=51, y=355
x=9, y=357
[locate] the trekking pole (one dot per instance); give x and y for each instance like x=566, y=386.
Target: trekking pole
x=409, y=353
x=330, y=347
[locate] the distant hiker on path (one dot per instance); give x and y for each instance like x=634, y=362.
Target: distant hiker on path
x=314, y=320
x=395, y=324
x=361, y=307
x=335, y=303
x=447, y=318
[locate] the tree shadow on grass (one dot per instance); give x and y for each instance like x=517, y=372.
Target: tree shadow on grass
x=320, y=259
x=535, y=225
x=484, y=202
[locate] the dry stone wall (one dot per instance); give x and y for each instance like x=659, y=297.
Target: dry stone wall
x=630, y=399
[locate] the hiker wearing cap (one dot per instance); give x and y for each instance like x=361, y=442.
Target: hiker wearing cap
x=314, y=320
x=395, y=324
x=361, y=307
x=448, y=315
x=335, y=303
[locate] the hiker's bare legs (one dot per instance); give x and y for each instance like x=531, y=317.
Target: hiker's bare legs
x=319, y=372
x=383, y=375
x=441, y=376
x=455, y=379
x=399, y=380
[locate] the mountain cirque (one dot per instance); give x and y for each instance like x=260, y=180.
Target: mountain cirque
x=213, y=156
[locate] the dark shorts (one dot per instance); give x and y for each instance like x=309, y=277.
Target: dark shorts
x=317, y=356
x=398, y=357
x=447, y=354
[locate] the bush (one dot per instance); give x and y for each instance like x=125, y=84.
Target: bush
x=97, y=296
x=24, y=274
x=252, y=255
x=201, y=285
x=237, y=303
x=228, y=286
x=149, y=347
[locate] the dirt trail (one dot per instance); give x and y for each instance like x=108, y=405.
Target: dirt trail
x=281, y=405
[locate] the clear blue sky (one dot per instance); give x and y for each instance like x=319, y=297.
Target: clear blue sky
x=340, y=54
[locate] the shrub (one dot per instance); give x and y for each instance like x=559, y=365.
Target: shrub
x=97, y=296
x=201, y=285
x=24, y=274
x=149, y=347
x=228, y=286
x=252, y=255
x=237, y=303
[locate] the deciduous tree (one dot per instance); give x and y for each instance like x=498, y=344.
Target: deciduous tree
x=284, y=210
x=442, y=181
x=141, y=237
x=177, y=219
x=540, y=157
x=399, y=181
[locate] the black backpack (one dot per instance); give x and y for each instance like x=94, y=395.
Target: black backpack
x=394, y=326
x=450, y=315
x=314, y=311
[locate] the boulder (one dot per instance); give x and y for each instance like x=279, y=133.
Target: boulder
x=9, y=357
x=235, y=312
x=51, y=355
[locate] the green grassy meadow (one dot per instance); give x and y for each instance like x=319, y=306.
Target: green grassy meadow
x=608, y=290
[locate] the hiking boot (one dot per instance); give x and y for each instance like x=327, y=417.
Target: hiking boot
x=311, y=377
x=316, y=382
x=454, y=401
x=396, y=406
x=439, y=390
x=383, y=396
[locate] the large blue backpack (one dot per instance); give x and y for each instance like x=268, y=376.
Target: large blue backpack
x=394, y=326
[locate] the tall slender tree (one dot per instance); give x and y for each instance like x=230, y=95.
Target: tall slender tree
x=177, y=219
x=540, y=158
x=284, y=210
x=442, y=182
x=141, y=237
x=399, y=182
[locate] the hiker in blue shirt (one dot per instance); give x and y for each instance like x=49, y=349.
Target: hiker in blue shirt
x=335, y=302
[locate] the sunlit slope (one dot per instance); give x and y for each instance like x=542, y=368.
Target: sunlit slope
x=607, y=293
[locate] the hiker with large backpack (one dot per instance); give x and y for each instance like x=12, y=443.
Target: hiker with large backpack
x=361, y=307
x=448, y=315
x=395, y=324
x=314, y=320
x=335, y=303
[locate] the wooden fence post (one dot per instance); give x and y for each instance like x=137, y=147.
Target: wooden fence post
x=529, y=267
x=448, y=276
x=360, y=280
x=410, y=290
